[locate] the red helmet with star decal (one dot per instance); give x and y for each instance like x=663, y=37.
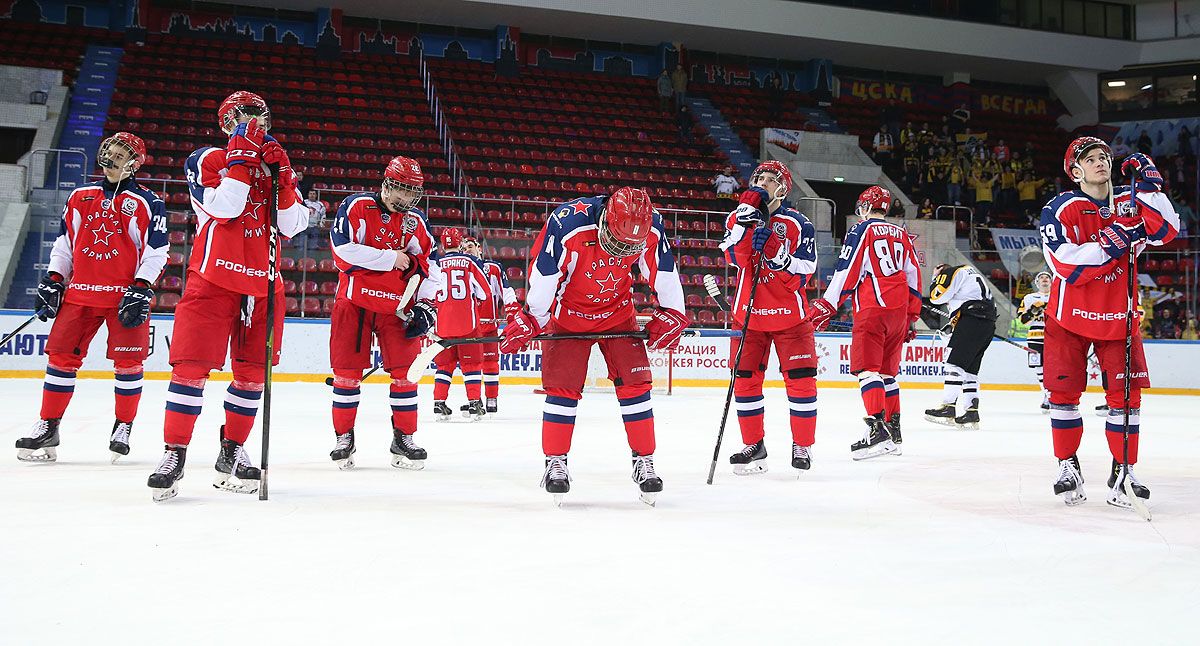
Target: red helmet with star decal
x=403, y=184
x=625, y=222
x=875, y=198
x=132, y=147
x=243, y=104
x=1077, y=150
x=782, y=175
x=451, y=239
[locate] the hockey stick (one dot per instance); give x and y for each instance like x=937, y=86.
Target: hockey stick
x=710, y=286
x=273, y=216
x=945, y=314
x=1135, y=502
x=18, y=330
x=737, y=359
x=410, y=289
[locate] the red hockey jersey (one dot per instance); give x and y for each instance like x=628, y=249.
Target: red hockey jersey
x=877, y=268
x=499, y=295
x=780, y=301
x=231, y=208
x=1088, y=293
x=464, y=288
x=107, y=240
x=583, y=288
x=366, y=238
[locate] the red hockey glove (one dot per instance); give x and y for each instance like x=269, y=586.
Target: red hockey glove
x=752, y=207
x=519, y=331
x=510, y=311
x=665, y=327
x=912, y=331
x=1116, y=238
x=1149, y=179
x=245, y=145
x=820, y=311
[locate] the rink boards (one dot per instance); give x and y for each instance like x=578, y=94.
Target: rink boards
x=699, y=361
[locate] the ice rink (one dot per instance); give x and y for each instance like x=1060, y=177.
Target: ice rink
x=960, y=540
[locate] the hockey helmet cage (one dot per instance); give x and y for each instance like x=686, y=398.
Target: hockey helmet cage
x=135, y=153
x=625, y=222
x=243, y=104
x=403, y=175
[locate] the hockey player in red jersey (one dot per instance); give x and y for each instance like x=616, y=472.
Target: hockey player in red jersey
x=111, y=249
x=223, y=311
x=464, y=289
x=581, y=281
x=877, y=268
x=502, y=299
x=765, y=228
x=381, y=243
x=1087, y=241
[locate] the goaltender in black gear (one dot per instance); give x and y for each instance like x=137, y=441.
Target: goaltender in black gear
x=968, y=301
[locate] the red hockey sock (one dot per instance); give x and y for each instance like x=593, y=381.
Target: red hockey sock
x=241, y=407
x=403, y=397
x=891, y=397
x=491, y=384
x=127, y=392
x=1114, y=430
x=802, y=402
x=345, y=407
x=57, y=389
x=871, y=387
x=472, y=379
x=558, y=424
x=184, y=399
x=441, y=385
x=637, y=412
x=1066, y=427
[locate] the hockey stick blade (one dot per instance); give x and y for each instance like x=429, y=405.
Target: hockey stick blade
x=409, y=290
x=1138, y=506
x=710, y=286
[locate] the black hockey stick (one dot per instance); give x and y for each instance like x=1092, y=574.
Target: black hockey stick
x=18, y=330
x=710, y=285
x=410, y=289
x=273, y=216
x=1135, y=502
x=737, y=359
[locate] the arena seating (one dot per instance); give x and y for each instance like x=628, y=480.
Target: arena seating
x=50, y=46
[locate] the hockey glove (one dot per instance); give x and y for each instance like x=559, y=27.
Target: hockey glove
x=775, y=252
x=820, y=311
x=519, y=331
x=510, y=311
x=49, y=296
x=752, y=207
x=420, y=320
x=665, y=327
x=1149, y=179
x=245, y=144
x=912, y=331
x=1116, y=238
x=135, y=305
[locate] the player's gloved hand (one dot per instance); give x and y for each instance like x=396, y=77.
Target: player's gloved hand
x=519, y=331
x=135, y=304
x=49, y=296
x=245, y=145
x=665, y=327
x=1149, y=179
x=420, y=320
x=510, y=311
x=1117, y=238
x=820, y=311
x=273, y=154
x=912, y=331
x=752, y=207
x=775, y=253
x=759, y=238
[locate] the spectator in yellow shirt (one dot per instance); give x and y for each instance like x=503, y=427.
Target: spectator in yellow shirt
x=1027, y=190
x=983, y=183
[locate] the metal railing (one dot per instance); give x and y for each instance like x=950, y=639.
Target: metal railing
x=44, y=162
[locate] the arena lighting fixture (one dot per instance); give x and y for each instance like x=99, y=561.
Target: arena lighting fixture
x=1116, y=84
x=1147, y=86
x=839, y=179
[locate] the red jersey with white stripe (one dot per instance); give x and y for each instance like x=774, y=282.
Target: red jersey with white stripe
x=499, y=295
x=232, y=209
x=464, y=288
x=108, y=240
x=877, y=268
x=1088, y=293
x=779, y=301
x=583, y=288
x=366, y=239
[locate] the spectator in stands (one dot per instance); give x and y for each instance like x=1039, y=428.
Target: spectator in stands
x=954, y=181
x=945, y=137
x=1189, y=222
x=1189, y=332
x=927, y=209
x=1144, y=144
x=1000, y=151
x=726, y=183
x=907, y=134
x=891, y=115
x=665, y=90
x=679, y=83
x=683, y=119
x=775, y=96
x=1028, y=191
x=960, y=118
x=316, y=217
x=982, y=182
x=302, y=184
x=1120, y=149
x=927, y=139
x=882, y=144
x=1007, y=197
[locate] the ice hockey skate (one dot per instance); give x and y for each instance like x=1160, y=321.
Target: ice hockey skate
x=405, y=453
x=894, y=422
x=1102, y=410
x=943, y=415
x=41, y=445
x=556, y=480
x=442, y=412
x=801, y=457
x=876, y=441
x=343, y=452
x=118, y=442
x=646, y=479
x=493, y=406
x=969, y=420
x=1069, y=483
x=751, y=460
x=474, y=410
x=1116, y=488
x=1045, y=403
x=164, y=482
x=235, y=473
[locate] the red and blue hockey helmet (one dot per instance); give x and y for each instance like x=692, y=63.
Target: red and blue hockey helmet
x=1077, y=150
x=875, y=198
x=122, y=151
x=243, y=104
x=403, y=184
x=625, y=222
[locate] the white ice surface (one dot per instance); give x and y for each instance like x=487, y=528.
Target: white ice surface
x=960, y=540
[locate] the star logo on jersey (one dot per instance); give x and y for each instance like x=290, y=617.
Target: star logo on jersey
x=579, y=207
x=102, y=234
x=608, y=284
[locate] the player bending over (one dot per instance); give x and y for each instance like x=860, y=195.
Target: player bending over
x=581, y=281
x=968, y=301
x=502, y=299
x=111, y=249
x=465, y=289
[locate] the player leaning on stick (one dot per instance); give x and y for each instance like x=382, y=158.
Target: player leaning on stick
x=1033, y=314
x=877, y=268
x=111, y=249
x=381, y=243
x=580, y=280
x=766, y=226
x=1086, y=246
x=223, y=310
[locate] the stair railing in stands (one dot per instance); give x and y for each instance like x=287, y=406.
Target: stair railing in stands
x=457, y=177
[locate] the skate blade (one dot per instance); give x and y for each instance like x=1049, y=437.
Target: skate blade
x=401, y=462
x=648, y=497
x=1074, y=497
x=970, y=426
x=944, y=421
x=754, y=468
x=1124, y=499
x=559, y=498
x=442, y=418
x=160, y=495
x=345, y=465
x=45, y=454
x=883, y=448
x=233, y=484
x=115, y=456
x=899, y=449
